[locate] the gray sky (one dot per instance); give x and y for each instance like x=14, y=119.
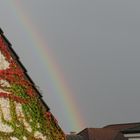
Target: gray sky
x=96, y=45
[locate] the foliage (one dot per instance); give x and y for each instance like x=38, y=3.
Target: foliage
x=21, y=91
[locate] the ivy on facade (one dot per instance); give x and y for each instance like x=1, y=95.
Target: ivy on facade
x=18, y=90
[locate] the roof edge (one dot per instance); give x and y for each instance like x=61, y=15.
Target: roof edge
x=108, y=126
x=1, y=31
x=22, y=66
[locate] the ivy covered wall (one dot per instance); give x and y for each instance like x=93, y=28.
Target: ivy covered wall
x=22, y=115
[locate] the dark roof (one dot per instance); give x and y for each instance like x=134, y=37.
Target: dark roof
x=132, y=130
x=99, y=134
x=1, y=31
x=122, y=126
x=74, y=137
x=110, y=132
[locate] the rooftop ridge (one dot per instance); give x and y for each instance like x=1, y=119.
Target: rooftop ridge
x=121, y=124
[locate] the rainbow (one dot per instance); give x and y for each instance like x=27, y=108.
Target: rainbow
x=74, y=118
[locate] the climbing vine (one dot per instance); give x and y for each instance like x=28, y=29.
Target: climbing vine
x=28, y=119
